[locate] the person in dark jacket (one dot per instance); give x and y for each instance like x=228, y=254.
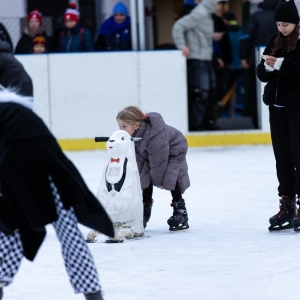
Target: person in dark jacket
x=234, y=32
x=257, y=31
x=187, y=7
x=34, y=27
x=4, y=36
x=74, y=37
x=114, y=34
x=41, y=186
x=161, y=160
x=280, y=70
x=12, y=73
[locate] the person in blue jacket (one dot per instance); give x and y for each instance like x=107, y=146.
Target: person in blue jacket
x=75, y=37
x=114, y=33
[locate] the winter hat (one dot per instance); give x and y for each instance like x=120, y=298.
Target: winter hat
x=72, y=13
x=286, y=11
x=190, y=2
x=39, y=39
x=120, y=8
x=35, y=14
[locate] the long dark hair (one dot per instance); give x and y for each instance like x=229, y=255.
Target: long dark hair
x=287, y=42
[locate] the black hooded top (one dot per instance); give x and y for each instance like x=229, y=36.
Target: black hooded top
x=12, y=72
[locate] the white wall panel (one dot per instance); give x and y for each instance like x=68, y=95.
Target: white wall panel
x=37, y=68
x=79, y=95
x=263, y=110
x=88, y=90
x=13, y=8
x=163, y=86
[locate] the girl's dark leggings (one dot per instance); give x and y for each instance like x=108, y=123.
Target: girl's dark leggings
x=147, y=193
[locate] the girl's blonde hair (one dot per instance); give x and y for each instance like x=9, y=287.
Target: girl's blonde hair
x=131, y=115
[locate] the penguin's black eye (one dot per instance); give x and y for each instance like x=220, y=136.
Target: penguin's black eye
x=122, y=138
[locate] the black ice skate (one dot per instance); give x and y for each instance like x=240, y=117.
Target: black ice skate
x=147, y=211
x=94, y=296
x=180, y=217
x=296, y=220
x=284, y=218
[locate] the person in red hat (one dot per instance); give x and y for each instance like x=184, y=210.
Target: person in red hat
x=74, y=37
x=34, y=27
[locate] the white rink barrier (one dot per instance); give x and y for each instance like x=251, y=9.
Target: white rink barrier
x=79, y=95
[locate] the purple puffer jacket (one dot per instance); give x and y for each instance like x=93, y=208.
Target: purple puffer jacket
x=161, y=154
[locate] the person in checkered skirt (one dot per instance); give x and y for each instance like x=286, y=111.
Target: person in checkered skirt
x=39, y=186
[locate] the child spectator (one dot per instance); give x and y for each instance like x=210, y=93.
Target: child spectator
x=34, y=27
x=74, y=37
x=114, y=33
x=234, y=32
x=39, y=45
x=161, y=159
x=280, y=70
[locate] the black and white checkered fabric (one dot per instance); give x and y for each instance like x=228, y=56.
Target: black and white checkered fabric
x=11, y=254
x=78, y=259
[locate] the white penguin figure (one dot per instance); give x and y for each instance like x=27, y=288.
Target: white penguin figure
x=120, y=190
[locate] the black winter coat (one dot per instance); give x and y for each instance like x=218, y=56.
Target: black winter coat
x=29, y=154
x=259, y=28
x=25, y=44
x=282, y=86
x=4, y=36
x=12, y=73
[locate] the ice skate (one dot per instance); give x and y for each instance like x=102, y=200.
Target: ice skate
x=94, y=296
x=147, y=211
x=296, y=220
x=284, y=218
x=179, y=220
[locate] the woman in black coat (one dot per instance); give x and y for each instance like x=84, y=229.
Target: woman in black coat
x=41, y=186
x=12, y=72
x=280, y=69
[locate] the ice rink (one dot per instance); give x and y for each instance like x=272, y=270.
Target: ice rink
x=228, y=253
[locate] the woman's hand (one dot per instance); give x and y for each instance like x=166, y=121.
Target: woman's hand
x=270, y=61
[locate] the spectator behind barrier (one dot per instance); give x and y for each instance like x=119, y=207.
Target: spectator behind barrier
x=74, y=37
x=114, y=34
x=193, y=35
x=39, y=45
x=4, y=35
x=34, y=27
x=188, y=6
x=222, y=59
x=12, y=73
x=256, y=33
x=234, y=33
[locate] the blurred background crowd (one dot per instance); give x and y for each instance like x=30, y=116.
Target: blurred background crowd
x=221, y=77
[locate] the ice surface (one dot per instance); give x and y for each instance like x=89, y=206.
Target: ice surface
x=228, y=253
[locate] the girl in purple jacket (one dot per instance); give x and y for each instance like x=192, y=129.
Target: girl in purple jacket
x=161, y=159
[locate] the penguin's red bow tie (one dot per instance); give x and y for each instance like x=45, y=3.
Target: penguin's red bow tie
x=117, y=160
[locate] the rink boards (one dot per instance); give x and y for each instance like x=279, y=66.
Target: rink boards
x=79, y=95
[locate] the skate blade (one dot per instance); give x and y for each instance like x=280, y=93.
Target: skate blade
x=297, y=229
x=178, y=230
x=281, y=228
x=114, y=241
x=91, y=241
